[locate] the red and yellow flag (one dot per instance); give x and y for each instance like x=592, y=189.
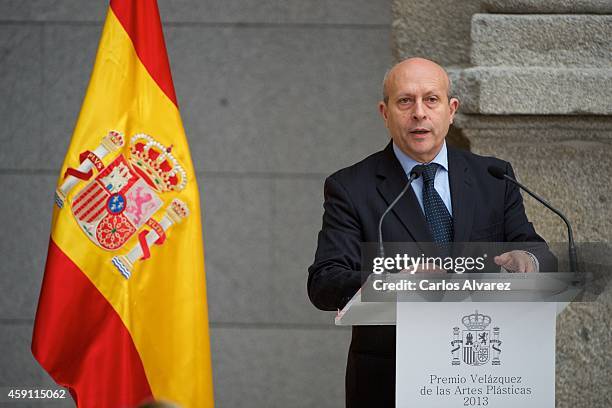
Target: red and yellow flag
x=122, y=315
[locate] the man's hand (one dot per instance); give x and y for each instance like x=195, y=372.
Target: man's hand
x=515, y=261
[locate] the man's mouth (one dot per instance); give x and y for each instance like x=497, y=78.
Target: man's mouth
x=419, y=131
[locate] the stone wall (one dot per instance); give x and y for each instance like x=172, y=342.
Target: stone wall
x=533, y=77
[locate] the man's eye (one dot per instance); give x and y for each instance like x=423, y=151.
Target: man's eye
x=432, y=99
x=404, y=100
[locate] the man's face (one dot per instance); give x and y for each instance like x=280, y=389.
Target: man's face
x=418, y=111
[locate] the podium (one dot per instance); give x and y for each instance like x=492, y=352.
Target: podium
x=458, y=346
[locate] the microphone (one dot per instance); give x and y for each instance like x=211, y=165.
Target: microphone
x=415, y=173
x=500, y=173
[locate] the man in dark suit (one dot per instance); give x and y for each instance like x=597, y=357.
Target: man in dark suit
x=455, y=200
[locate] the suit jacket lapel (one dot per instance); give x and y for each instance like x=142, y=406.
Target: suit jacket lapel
x=391, y=180
x=462, y=196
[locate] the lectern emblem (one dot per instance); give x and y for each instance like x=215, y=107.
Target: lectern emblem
x=476, y=345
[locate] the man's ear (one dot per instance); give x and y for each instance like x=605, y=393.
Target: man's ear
x=382, y=108
x=453, y=105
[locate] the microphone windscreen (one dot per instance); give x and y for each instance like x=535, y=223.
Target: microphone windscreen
x=497, y=172
x=416, y=171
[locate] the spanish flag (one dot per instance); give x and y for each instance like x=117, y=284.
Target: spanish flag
x=122, y=315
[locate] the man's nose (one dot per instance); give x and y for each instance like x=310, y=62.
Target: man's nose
x=419, y=111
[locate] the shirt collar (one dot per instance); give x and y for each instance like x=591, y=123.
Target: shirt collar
x=408, y=162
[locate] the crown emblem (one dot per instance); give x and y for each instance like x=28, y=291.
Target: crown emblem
x=113, y=140
x=155, y=163
x=178, y=210
x=476, y=321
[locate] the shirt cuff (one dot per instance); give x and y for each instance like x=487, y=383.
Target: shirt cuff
x=536, y=263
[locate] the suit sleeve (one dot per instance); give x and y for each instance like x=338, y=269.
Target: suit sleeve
x=335, y=275
x=518, y=228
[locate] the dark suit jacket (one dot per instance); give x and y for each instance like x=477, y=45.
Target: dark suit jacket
x=484, y=209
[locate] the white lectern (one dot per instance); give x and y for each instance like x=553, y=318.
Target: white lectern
x=468, y=348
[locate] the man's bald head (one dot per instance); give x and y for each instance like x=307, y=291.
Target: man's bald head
x=415, y=66
x=417, y=109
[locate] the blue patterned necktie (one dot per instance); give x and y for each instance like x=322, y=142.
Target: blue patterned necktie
x=437, y=216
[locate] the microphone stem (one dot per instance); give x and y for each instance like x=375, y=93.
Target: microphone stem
x=381, y=247
x=573, y=258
